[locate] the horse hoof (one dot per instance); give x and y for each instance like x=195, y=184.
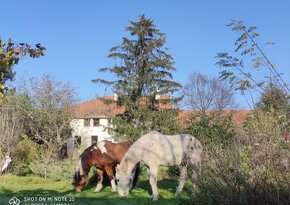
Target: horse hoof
x=177, y=193
x=99, y=188
x=155, y=198
x=114, y=190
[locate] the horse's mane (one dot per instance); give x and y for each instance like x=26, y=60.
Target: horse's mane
x=77, y=176
x=88, y=150
x=128, y=160
x=82, y=160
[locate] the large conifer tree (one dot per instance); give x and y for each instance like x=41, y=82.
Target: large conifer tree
x=143, y=72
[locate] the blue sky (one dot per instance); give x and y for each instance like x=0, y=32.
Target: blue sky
x=79, y=34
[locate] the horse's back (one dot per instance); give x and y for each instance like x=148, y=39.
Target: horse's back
x=117, y=150
x=157, y=148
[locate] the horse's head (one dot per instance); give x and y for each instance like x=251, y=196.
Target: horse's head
x=79, y=181
x=124, y=181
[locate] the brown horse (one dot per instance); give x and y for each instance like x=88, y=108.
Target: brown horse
x=105, y=156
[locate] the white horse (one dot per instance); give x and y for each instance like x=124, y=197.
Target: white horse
x=156, y=149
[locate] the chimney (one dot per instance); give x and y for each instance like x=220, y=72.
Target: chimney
x=157, y=97
x=115, y=97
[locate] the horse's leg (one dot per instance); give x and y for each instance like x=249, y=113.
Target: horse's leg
x=132, y=177
x=195, y=171
x=100, y=180
x=153, y=181
x=135, y=174
x=194, y=178
x=182, y=179
x=110, y=173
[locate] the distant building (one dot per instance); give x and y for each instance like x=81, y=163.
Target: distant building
x=93, y=118
x=238, y=117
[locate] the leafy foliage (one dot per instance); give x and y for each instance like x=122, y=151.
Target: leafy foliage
x=47, y=115
x=241, y=74
x=212, y=129
x=274, y=98
x=144, y=71
x=254, y=169
x=275, y=102
x=150, y=120
x=59, y=170
x=26, y=152
x=10, y=54
x=11, y=121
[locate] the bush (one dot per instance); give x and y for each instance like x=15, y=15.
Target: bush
x=59, y=170
x=38, y=168
x=26, y=151
x=254, y=170
x=31, y=158
x=211, y=128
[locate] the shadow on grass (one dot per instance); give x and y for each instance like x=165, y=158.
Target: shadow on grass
x=98, y=201
x=35, y=192
x=139, y=195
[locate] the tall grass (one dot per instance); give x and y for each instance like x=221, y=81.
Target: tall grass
x=255, y=169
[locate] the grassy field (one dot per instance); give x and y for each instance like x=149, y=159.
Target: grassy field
x=33, y=190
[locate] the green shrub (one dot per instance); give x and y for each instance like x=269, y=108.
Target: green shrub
x=211, y=128
x=59, y=170
x=26, y=151
x=38, y=168
x=225, y=180
x=255, y=169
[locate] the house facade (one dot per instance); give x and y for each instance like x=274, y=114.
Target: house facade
x=91, y=121
x=89, y=130
x=93, y=118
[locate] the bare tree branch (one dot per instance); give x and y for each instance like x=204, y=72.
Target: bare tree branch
x=204, y=93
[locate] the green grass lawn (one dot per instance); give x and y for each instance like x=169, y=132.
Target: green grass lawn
x=49, y=192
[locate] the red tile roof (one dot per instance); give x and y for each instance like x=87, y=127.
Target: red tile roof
x=97, y=108
x=238, y=116
x=106, y=107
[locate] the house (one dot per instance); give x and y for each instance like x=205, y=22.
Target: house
x=238, y=117
x=91, y=121
x=93, y=118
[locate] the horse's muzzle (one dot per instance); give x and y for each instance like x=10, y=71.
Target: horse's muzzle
x=123, y=194
x=78, y=190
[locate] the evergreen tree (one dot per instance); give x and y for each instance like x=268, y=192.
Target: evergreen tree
x=144, y=73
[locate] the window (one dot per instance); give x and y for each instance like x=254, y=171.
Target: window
x=86, y=122
x=94, y=139
x=96, y=122
x=77, y=141
x=109, y=122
